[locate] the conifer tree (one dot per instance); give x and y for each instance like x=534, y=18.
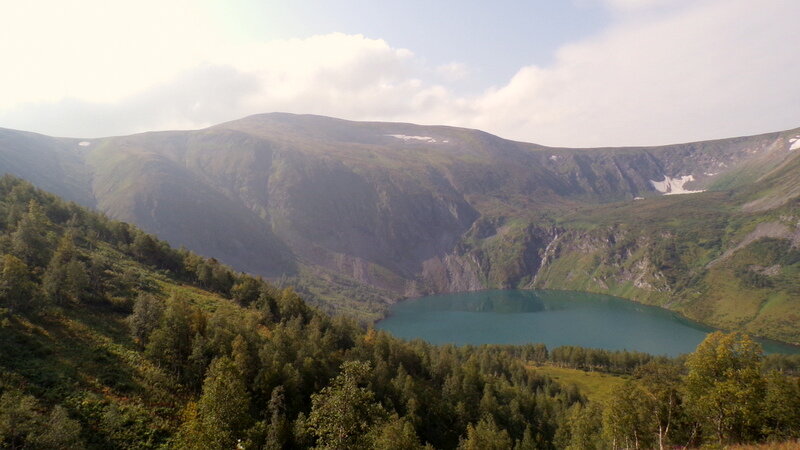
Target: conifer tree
x=171, y=343
x=486, y=435
x=17, y=290
x=145, y=248
x=278, y=431
x=582, y=428
x=60, y=432
x=528, y=442
x=396, y=434
x=242, y=358
x=65, y=278
x=18, y=419
x=146, y=315
x=222, y=413
x=246, y=290
x=77, y=280
x=30, y=242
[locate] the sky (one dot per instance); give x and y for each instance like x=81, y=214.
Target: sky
x=556, y=72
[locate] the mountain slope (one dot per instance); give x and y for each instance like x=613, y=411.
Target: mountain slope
x=160, y=348
x=54, y=164
x=111, y=339
x=362, y=212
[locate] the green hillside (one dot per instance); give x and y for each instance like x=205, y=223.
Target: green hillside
x=109, y=338
x=702, y=255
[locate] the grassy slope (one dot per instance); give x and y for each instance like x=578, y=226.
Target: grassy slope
x=597, y=386
x=85, y=359
x=690, y=247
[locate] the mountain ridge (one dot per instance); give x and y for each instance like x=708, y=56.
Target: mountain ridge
x=363, y=213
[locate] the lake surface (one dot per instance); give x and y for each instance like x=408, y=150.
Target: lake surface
x=553, y=318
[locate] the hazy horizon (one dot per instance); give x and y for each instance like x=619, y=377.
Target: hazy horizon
x=579, y=73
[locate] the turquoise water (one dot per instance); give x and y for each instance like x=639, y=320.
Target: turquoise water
x=553, y=318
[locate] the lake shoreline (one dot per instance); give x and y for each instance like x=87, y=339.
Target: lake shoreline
x=770, y=345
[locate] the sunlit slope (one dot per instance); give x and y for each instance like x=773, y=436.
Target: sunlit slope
x=709, y=255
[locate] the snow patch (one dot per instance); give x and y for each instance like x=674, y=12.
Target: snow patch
x=407, y=138
x=84, y=143
x=711, y=174
x=638, y=198
x=795, y=141
x=674, y=186
x=555, y=157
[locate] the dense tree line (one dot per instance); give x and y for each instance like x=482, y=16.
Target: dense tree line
x=56, y=253
x=285, y=376
x=263, y=369
x=719, y=396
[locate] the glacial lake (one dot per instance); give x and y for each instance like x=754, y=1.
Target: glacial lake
x=553, y=318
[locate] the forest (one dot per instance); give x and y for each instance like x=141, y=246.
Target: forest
x=110, y=338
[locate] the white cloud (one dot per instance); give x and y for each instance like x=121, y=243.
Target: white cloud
x=452, y=72
x=715, y=69
x=695, y=70
x=335, y=74
x=96, y=50
x=632, y=5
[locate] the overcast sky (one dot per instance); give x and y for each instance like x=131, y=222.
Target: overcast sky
x=555, y=72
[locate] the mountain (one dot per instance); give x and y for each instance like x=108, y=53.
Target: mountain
x=110, y=339
x=359, y=214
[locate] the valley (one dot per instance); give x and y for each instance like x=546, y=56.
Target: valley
x=360, y=214
x=350, y=225
x=110, y=338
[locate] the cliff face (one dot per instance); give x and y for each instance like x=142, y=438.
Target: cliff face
x=403, y=210
x=603, y=260
x=724, y=269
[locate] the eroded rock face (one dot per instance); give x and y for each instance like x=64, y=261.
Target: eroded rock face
x=393, y=220
x=549, y=257
x=451, y=273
